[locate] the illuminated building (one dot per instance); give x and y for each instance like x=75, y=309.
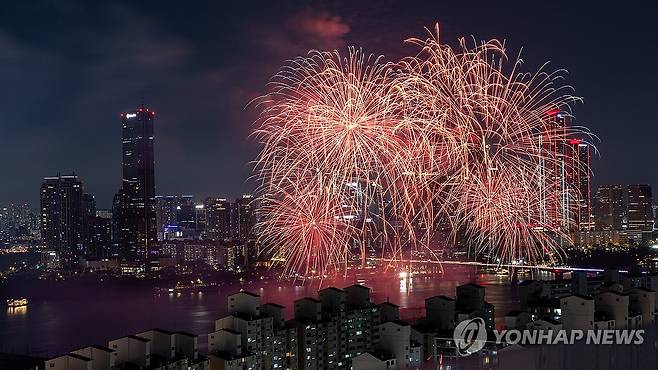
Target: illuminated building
x=186, y=221
x=244, y=217
x=553, y=187
x=17, y=222
x=609, y=207
x=101, y=235
x=166, y=207
x=137, y=219
x=578, y=180
x=89, y=216
x=218, y=218
x=62, y=217
x=256, y=329
x=566, y=182
x=331, y=332
x=640, y=213
x=195, y=251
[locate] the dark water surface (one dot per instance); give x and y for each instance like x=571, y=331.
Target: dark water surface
x=65, y=316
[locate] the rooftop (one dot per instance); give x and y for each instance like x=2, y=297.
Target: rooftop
x=186, y=334
x=138, y=338
x=331, y=288
x=358, y=286
x=245, y=292
x=442, y=297
x=79, y=357
x=274, y=305
x=100, y=348
x=308, y=299
x=382, y=355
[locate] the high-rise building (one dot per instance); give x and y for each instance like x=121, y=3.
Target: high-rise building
x=137, y=216
x=62, y=217
x=578, y=180
x=168, y=208
x=609, y=207
x=244, y=217
x=200, y=220
x=17, y=221
x=101, y=235
x=640, y=212
x=555, y=202
x=218, y=218
x=89, y=204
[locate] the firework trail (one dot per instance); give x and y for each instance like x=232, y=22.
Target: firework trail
x=493, y=139
x=331, y=126
x=303, y=230
x=357, y=151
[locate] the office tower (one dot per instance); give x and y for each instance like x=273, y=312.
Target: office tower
x=89, y=215
x=62, y=217
x=640, y=212
x=200, y=220
x=167, y=209
x=609, y=207
x=218, y=218
x=190, y=221
x=578, y=180
x=101, y=234
x=137, y=221
x=555, y=202
x=244, y=217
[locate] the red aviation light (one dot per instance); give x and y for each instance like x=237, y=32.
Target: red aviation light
x=553, y=112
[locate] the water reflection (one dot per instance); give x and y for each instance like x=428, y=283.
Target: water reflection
x=17, y=311
x=61, y=324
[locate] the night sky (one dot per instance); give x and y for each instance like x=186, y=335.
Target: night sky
x=69, y=68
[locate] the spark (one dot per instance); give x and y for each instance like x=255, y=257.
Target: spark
x=360, y=154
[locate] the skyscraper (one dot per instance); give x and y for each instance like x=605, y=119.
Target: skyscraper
x=578, y=180
x=609, y=207
x=168, y=208
x=89, y=214
x=640, y=213
x=62, y=217
x=136, y=198
x=218, y=218
x=244, y=216
x=101, y=235
x=555, y=205
x=565, y=185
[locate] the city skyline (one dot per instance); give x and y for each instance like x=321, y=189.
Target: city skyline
x=303, y=184
x=206, y=132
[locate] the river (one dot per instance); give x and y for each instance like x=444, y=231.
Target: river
x=66, y=315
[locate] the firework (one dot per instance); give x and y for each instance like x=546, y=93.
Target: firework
x=304, y=230
x=356, y=151
x=495, y=142
x=331, y=126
